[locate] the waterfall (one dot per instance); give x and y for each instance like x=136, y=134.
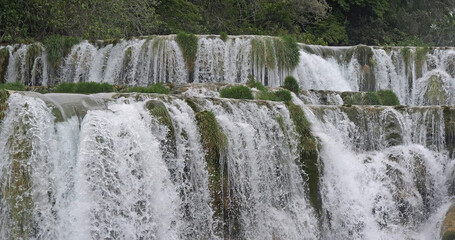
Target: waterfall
x=193, y=165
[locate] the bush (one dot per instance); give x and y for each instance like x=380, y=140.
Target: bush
x=188, y=45
x=283, y=95
x=292, y=52
x=291, y=84
x=16, y=86
x=84, y=87
x=237, y=92
x=371, y=98
x=154, y=88
x=388, y=98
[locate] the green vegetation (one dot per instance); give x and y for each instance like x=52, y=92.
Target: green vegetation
x=154, y=88
x=271, y=52
x=367, y=98
x=448, y=236
x=371, y=98
x=308, y=149
x=16, y=86
x=57, y=47
x=4, y=95
x=84, y=87
x=223, y=36
x=347, y=22
x=214, y=142
x=283, y=95
x=237, y=92
x=291, y=84
x=4, y=59
x=388, y=98
x=188, y=44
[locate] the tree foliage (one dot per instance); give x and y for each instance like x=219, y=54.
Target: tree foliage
x=334, y=22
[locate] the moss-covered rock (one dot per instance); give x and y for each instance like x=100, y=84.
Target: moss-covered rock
x=158, y=110
x=4, y=60
x=435, y=94
x=365, y=57
x=4, y=95
x=188, y=43
x=449, y=122
x=17, y=184
x=214, y=142
x=308, y=149
x=448, y=225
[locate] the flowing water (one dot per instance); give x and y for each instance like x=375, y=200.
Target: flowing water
x=195, y=166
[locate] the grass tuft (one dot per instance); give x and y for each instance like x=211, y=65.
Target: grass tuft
x=237, y=92
x=371, y=98
x=291, y=84
x=84, y=87
x=57, y=47
x=15, y=86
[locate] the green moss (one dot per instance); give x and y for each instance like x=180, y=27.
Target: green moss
x=291, y=84
x=449, y=123
x=4, y=60
x=4, y=95
x=371, y=98
x=214, y=142
x=237, y=92
x=267, y=95
x=18, y=185
x=435, y=94
x=33, y=52
x=388, y=98
x=223, y=36
x=158, y=110
x=448, y=236
x=84, y=87
x=192, y=105
x=188, y=45
x=282, y=51
x=308, y=150
x=16, y=86
x=154, y=88
x=421, y=57
x=406, y=53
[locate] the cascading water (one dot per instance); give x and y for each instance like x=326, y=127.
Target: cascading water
x=192, y=165
x=409, y=72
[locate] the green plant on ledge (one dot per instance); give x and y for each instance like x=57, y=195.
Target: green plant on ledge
x=84, y=87
x=388, y=98
x=188, y=45
x=237, y=92
x=291, y=84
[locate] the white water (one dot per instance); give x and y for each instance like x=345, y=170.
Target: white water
x=146, y=61
x=377, y=191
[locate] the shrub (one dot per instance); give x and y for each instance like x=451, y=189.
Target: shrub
x=154, y=88
x=371, y=98
x=188, y=45
x=291, y=84
x=223, y=36
x=237, y=92
x=283, y=95
x=388, y=97
x=84, y=87
x=16, y=86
